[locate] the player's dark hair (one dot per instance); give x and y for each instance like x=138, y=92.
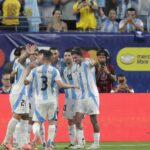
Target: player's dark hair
x=69, y=50
x=18, y=50
x=77, y=51
x=47, y=55
x=53, y=48
x=41, y=51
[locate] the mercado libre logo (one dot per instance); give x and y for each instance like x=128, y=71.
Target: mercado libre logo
x=134, y=59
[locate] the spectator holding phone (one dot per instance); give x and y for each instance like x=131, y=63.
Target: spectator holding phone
x=131, y=23
x=122, y=86
x=85, y=11
x=105, y=74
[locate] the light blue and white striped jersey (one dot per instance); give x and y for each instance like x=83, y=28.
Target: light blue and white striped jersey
x=70, y=77
x=108, y=25
x=87, y=79
x=45, y=77
x=130, y=27
x=18, y=86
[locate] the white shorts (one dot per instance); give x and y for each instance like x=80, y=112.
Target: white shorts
x=19, y=104
x=43, y=111
x=31, y=106
x=88, y=106
x=70, y=109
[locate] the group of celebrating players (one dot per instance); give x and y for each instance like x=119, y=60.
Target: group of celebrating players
x=38, y=75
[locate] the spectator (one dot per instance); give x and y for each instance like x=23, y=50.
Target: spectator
x=131, y=23
x=122, y=86
x=108, y=24
x=56, y=24
x=67, y=13
x=11, y=11
x=105, y=76
x=46, y=8
x=85, y=11
x=33, y=15
x=6, y=85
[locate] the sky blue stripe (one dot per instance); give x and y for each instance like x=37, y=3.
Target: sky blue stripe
x=36, y=82
x=39, y=117
x=66, y=90
x=88, y=85
x=44, y=73
x=19, y=74
x=19, y=99
x=81, y=85
x=30, y=91
x=73, y=93
x=54, y=74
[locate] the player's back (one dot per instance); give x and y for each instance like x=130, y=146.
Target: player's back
x=44, y=78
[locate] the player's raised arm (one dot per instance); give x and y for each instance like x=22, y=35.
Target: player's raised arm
x=30, y=50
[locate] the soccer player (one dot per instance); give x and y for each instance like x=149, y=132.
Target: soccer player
x=45, y=77
x=35, y=60
x=70, y=77
x=59, y=64
x=18, y=101
x=88, y=103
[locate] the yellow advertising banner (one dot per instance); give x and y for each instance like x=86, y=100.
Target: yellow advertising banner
x=134, y=59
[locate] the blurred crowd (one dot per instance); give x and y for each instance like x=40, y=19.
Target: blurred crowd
x=75, y=15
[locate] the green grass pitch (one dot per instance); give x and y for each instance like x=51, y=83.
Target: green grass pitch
x=109, y=146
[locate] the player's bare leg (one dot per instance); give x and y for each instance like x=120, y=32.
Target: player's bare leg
x=80, y=135
x=96, y=134
x=72, y=133
x=10, y=129
x=51, y=134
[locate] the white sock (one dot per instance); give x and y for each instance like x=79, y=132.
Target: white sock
x=10, y=129
x=51, y=134
x=80, y=137
x=24, y=136
x=42, y=133
x=96, y=138
x=36, y=129
x=16, y=134
x=72, y=134
x=29, y=131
